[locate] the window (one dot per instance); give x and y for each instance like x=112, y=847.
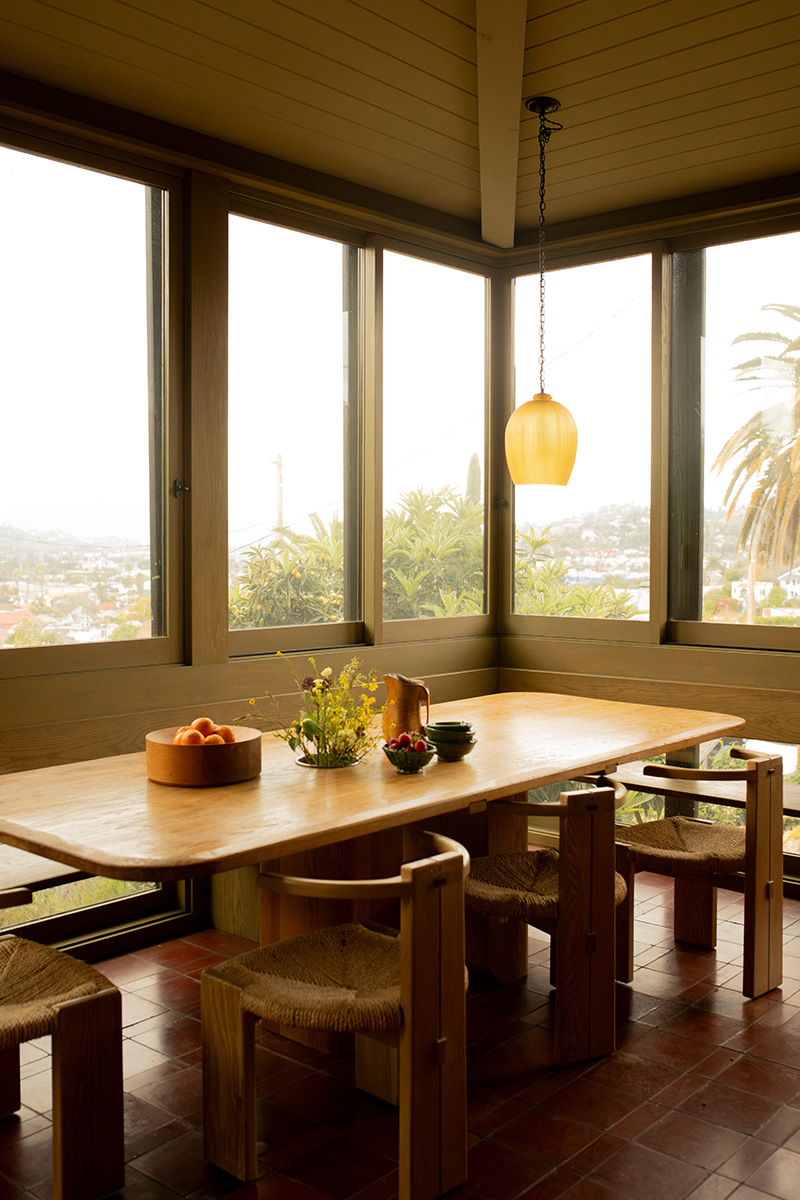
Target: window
x=293, y=407
x=434, y=413
x=736, y=512
x=82, y=319
x=584, y=550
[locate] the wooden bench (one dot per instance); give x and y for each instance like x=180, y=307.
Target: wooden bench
x=22, y=874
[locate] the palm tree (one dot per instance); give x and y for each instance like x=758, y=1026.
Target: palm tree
x=768, y=449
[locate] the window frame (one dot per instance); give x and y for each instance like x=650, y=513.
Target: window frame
x=477, y=624
x=166, y=460
x=246, y=643
x=682, y=631
x=650, y=631
x=372, y=629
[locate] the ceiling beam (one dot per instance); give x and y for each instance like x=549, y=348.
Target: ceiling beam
x=500, y=30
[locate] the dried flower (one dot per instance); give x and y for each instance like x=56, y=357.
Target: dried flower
x=335, y=725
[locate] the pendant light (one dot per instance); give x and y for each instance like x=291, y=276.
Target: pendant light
x=541, y=435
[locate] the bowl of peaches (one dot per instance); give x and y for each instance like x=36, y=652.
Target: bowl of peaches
x=203, y=754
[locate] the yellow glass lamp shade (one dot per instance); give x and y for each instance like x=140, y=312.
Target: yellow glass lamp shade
x=541, y=442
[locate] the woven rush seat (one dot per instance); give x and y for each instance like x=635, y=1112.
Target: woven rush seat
x=33, y=979
x=523, y=886
x=344, y=979
x=696, y=845
x=47, y=992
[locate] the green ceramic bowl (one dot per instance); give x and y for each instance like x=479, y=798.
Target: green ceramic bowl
x=409, y=762
x=448, y=731
x=454, y=751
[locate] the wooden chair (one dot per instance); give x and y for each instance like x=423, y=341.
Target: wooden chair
x=44, y=991
x=702, y=856
x=571, y=894
x=355, y=979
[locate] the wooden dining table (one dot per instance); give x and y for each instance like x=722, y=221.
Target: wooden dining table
x=105, y=816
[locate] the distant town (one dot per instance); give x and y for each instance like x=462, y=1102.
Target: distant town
x=56, y=589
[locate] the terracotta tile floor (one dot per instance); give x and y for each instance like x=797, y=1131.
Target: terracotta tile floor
x=701, y=1099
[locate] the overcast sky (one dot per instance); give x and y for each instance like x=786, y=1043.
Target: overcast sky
x=73, y=366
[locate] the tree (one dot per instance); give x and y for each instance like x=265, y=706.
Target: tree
x=542, y=589
x=28, y=633
x=777, y=596
x=473, y=490
x=433, y=567
x=433, y=556
x=123, y=631
x=766, y=451
x=296, y=579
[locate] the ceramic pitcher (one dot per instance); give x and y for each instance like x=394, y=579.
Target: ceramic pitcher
x=404, y=700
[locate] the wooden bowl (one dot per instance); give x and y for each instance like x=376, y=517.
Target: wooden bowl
x=203, y=766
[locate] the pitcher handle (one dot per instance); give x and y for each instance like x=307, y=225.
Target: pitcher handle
x=427, y=704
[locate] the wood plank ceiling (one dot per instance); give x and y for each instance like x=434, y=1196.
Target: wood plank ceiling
x=423, y=100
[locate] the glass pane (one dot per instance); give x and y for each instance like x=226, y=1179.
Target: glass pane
x=434, y=403
x=81, y=333
x=583, y=550
x=293, y=423
x=751, y=402
x=69, y=897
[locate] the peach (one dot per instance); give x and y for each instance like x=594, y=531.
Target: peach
x=205, y=725
x=192, y=737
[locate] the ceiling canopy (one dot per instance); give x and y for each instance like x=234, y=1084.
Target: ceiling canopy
x=424, y=100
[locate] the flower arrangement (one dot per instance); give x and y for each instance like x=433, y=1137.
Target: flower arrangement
x=333, y=728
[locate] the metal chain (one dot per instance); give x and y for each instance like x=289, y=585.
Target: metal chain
x=544, y=138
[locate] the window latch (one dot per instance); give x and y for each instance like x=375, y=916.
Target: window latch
x=179, y=488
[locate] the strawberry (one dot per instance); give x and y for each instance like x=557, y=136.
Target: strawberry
x=404, y=742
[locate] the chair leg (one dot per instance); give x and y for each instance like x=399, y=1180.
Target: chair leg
x=763, y=894
x=506, y=937
x=453, y=1040
x=695, y=918
x=623, y=951
x=9, y=1081
x=88, y=1150
x=432, y=1043
x=229, y=1093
